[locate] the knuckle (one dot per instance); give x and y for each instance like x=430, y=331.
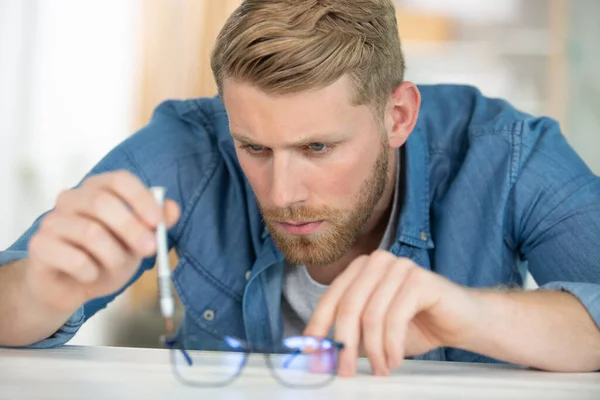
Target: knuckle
x=402, y=268
x=380, y=256
x=63, y=199
x=406, y=262
x=117, y=259
x=121, y=179
x=358, y=263
x=415, y=275
x=131, y=234
x=92, y=231
x=36, y=243
x=80, y=261
x=360, y=260
x=128, y=223
x=91, y=180
x=48, y=222
x=99, y=199
x=371, y=319
x=380, y=253
x=346, y=314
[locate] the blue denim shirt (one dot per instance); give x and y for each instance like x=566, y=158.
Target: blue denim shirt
x=489, y=193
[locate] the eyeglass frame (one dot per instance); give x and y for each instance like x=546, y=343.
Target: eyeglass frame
x=175, y=343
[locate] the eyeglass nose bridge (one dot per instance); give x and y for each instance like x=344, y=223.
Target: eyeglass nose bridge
x=332, y=372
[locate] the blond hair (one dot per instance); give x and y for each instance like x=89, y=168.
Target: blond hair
x=287, y=46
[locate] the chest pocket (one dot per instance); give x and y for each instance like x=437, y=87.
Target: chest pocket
x=210, y=306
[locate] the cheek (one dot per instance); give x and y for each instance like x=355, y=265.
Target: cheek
x=341, y=180
x=257, y=175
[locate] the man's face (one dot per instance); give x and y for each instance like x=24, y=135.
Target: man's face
x=317, y=164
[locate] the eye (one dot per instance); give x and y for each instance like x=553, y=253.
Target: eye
x=317, y=147
x=255, y=148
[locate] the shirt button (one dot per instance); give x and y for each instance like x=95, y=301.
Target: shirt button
x=209, y=315
x=423, y=236
x=248, y=274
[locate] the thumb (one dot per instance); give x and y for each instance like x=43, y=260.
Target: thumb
x=172, y=213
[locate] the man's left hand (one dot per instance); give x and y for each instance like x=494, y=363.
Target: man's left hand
x=391, y=308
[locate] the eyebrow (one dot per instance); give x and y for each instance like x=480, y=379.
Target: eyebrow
x=320, y=138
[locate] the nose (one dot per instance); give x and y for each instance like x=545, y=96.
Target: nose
x=287, y=188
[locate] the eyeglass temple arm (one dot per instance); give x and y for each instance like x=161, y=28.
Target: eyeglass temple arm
x=291, y=358
x=171, y=342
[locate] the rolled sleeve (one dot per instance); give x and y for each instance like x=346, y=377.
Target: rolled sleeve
x=64, y=334
x=9, y=256
x=587, y=293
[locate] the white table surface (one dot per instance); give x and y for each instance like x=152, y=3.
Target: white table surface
x=74, y=372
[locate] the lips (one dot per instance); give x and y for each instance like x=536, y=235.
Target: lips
x=300, y=228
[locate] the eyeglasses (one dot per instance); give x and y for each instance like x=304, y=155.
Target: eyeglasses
x=297, y=362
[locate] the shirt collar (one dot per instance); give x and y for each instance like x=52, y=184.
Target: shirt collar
x=413, y=227
x=389, y=236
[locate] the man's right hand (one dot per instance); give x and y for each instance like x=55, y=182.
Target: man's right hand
x=93, y=241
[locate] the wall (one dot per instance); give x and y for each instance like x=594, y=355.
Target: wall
x=67, y=78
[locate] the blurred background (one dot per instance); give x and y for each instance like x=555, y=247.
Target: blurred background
x=77, y=77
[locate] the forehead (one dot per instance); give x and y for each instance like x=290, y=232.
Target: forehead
x=253, y=112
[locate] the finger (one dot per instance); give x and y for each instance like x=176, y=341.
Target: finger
x=62, y=257
x=324, y=314
x=350, y=309
x=105, y=208
x=130, y=189
x=88, y=235
x=375, y=313
x=350, y=313
x=402, y=310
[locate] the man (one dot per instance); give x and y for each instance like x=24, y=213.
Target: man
x=328, y=192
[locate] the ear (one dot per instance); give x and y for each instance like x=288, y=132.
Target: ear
x=402, y=112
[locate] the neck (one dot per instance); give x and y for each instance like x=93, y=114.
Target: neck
x=370, y=237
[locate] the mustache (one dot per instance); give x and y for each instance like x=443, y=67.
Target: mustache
x=300, y=214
